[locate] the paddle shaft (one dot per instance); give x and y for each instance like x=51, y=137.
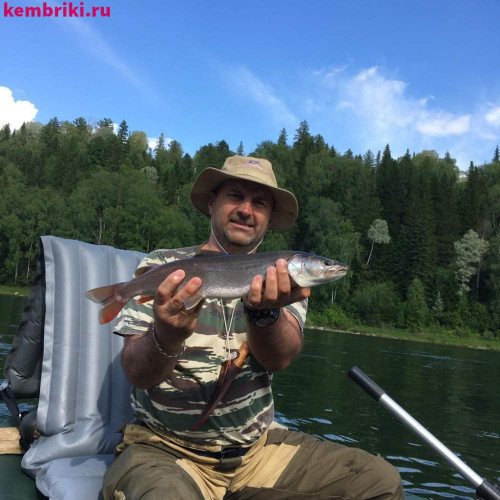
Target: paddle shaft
x=483, y=488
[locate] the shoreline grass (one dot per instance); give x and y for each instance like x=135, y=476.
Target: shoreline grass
x=442, y=337
x=21, y=291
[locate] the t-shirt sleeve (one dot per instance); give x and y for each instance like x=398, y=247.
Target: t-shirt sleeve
x=299, y=311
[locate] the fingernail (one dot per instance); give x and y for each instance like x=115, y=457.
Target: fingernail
x=178, y=274
x=281, y=262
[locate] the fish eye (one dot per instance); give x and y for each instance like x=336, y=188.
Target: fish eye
x=327, y=263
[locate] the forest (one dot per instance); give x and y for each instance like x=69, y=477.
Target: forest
x=421, y=238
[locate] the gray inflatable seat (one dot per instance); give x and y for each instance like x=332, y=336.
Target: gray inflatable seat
x=84, y=396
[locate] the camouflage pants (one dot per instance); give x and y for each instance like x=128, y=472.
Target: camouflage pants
x=283, y=464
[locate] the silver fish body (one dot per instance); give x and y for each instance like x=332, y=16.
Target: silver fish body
x=223, y=276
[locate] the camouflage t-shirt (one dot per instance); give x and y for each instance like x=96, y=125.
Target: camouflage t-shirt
x=173, y=407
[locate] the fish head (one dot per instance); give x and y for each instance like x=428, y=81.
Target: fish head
x=309, y=270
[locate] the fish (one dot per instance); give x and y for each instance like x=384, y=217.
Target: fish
x=224, y=276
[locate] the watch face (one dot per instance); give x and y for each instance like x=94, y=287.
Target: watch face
x=264, y=317
x=265, y=321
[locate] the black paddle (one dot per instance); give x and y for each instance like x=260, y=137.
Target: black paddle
x=483, y=488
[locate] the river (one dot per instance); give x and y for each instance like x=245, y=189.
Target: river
x=453, y=391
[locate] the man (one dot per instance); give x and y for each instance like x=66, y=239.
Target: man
x=174, y=358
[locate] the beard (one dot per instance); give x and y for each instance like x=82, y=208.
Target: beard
x=228, y=236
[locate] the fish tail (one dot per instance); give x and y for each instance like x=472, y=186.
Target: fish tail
x=112, y=302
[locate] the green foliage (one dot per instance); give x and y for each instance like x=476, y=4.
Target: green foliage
x=415, y=307
x=469, y=250
x=378, y=232
x=332, y=316
x=84, y=181
x=475, y=316
x=377, y=304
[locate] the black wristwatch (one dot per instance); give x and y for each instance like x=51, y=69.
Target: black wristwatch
x=262, y=317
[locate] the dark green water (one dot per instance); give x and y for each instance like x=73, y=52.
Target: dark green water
x=452, y=391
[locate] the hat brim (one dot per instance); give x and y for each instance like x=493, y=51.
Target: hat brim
x=286, y=207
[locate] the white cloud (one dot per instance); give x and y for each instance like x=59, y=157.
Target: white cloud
x=262, y=94
x=444, y=124
x=13, y=112
x=153, y=142
x=493, y=116
x=388, y=108
x=368, y=109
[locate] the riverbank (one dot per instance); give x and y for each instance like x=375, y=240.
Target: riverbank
x=472, y=340
x=21, y=291
x=444, y=337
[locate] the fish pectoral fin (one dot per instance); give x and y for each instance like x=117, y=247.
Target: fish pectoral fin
x=145, y=298
x=193, y=301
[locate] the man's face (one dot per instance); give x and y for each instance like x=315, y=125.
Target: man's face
x=241, y=212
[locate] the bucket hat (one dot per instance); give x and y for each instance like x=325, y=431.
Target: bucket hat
x=251, y=169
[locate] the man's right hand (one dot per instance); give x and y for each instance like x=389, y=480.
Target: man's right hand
x=172, y=322
x=146, y=366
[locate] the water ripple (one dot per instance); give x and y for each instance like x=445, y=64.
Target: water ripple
x=403, y=459
x=493, y=435
x=407, y=469
x=342, y=439
x=423, y=462
x=320, y=420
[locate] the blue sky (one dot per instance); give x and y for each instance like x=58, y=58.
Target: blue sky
x=417, y=75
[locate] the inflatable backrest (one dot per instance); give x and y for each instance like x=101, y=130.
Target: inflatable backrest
x=84, y=395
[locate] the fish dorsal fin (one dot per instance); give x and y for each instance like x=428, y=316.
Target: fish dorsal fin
x=207, y=253
x=146, y=269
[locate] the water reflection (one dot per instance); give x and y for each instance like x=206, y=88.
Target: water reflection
x=452, y=391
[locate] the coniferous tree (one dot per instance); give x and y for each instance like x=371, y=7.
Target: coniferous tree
x=369, y=159
x=283, y=137
x=105, y=123
x=123, y=136
x=5, y=133
x=161, y=143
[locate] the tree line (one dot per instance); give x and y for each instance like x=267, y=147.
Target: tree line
x=421, y=238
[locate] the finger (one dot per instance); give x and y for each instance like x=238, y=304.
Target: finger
x=168, y=285
x=284, y=285
x=271, y=292
x=255, y=294
x=186, y=292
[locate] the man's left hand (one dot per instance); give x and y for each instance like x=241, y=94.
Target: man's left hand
x=277, y=292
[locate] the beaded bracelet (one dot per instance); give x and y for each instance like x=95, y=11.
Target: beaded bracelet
x=158, y=346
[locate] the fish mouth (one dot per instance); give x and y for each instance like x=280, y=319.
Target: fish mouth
x=340, y=271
